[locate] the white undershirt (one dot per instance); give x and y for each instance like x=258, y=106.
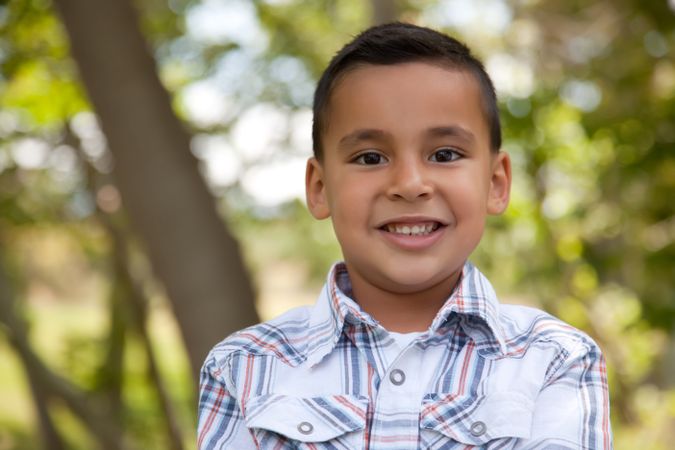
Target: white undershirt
x=401, y=341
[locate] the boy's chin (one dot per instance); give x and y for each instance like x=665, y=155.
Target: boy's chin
x=410, y=284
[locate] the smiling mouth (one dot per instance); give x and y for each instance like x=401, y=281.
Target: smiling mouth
x=412, y=229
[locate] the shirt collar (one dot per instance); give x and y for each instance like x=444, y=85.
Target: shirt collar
x=473, y=299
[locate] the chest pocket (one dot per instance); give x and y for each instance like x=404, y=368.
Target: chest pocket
x=482, y=422
x=281, y=421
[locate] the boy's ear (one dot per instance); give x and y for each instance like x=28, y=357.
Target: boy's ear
x=500, y=183
x=315, y=190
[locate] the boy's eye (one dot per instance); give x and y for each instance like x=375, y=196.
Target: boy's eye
x=445, y=155
x=369, y=159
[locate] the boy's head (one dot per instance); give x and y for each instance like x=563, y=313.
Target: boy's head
x=398, y=43
x=407, y=161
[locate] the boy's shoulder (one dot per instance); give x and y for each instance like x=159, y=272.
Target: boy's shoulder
x=524, y=326
x=285, y=337
x=513, y=329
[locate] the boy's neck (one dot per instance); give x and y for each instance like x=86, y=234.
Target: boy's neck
x=402, y=312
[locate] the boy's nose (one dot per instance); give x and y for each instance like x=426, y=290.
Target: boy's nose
x=409, y=182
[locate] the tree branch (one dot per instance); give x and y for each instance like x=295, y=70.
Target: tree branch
x=93, y=414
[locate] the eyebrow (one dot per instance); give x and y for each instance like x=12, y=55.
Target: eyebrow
x=360, y=135
x=452, y=131
x=372, y=134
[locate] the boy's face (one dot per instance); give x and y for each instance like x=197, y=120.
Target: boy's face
x=407, y=174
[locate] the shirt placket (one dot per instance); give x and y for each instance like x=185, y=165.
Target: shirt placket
x=397, y=400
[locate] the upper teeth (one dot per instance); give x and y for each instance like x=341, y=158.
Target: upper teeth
x=411, y=230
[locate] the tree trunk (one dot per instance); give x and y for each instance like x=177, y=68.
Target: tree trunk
x=190, y=249
x=51, y=440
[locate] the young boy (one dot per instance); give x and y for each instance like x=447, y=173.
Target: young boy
x=407, y=346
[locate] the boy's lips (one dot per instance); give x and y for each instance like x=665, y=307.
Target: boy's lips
x=412, y=233
x=397, y=224
x=411, y=228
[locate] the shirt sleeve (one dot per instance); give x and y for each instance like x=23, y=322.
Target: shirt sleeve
x=220, y=422
x=572, y=410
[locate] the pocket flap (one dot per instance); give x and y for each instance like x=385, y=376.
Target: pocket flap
x=307, y=419
x=478, y=420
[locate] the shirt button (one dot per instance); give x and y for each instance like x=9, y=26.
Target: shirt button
x=397, y=377
x=305, y=428
x=478, y=428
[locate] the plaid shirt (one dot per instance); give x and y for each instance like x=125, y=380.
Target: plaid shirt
x=483, y=375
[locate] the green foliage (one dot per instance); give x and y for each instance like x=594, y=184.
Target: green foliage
x=307, y=242
x=312, y=31
x=39, y=79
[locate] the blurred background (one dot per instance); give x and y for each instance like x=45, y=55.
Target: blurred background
x=152, y=159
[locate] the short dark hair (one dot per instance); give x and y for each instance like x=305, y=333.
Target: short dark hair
x=397, y=43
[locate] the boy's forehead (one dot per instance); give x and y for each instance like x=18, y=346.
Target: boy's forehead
x=368, y=93
x=375, y=71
